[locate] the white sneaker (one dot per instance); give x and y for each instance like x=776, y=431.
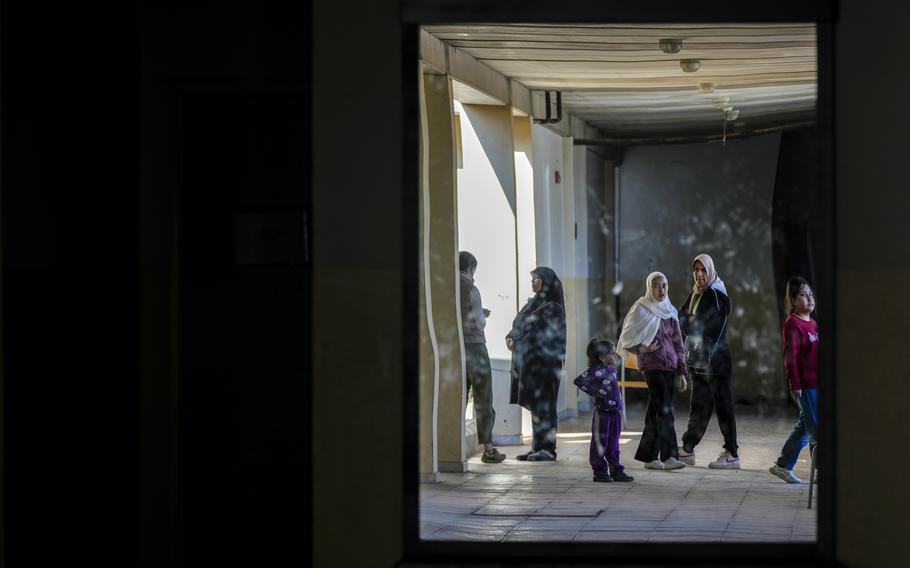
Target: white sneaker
x=654, y=464
x=673, y=463
x=725, y=461
x=784, y=474
x=688, y=459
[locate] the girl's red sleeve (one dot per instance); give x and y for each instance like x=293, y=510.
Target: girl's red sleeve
x=791, y=349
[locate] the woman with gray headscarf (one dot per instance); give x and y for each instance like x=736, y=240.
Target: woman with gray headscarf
x=703, y=319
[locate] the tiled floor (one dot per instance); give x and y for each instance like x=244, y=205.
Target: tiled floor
x=557, y=501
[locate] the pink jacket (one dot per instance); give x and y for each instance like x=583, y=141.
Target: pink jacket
x=670, y=354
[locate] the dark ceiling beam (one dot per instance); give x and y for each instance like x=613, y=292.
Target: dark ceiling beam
x=689, y=138
x=618, y=11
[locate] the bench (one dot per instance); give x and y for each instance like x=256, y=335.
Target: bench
x=630, y=362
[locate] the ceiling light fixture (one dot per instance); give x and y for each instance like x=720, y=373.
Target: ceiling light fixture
x=706, y=87
x=670, y=45
x=690, y=65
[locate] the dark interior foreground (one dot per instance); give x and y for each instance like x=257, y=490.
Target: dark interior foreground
x=173, y=399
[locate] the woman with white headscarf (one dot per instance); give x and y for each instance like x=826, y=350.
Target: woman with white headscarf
x=703, y=318
x=651, y=332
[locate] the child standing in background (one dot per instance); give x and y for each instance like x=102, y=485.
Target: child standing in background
x=800, y=342
x=599, y=381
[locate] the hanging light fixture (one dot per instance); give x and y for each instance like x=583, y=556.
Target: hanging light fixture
x=690, y=65
x=720, y=102
x=724, y=139
x=670, y=45
x=730, y=114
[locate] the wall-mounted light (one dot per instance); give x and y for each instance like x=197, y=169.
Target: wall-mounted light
x=671, y=45
x=706, y=87
x=690, y=65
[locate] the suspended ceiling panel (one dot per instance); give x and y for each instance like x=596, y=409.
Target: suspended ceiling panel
x=617, y=78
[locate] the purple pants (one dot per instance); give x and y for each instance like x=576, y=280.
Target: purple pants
x=606, y=426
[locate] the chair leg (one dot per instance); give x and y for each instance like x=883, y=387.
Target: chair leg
x=622, y=377
x=812, y=451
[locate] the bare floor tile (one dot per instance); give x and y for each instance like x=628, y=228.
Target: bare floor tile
x=558, y=502
x=546, y=535
x=612, y=536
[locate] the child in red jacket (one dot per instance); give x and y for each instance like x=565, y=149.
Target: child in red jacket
x=800, y=342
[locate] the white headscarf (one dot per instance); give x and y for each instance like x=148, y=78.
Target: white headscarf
x=713, y=280
x=643, y=320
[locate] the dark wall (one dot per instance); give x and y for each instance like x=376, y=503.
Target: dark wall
x=155, y=306
x=797, y=203
x=244, y=363
x=599, y=201
x=72, y=215
x=70, y=284
x=226, y=190
x=680, y=200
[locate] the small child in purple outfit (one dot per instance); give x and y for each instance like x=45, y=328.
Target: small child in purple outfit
x=599, y=381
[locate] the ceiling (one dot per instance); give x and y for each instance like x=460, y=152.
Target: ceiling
x=617, y=79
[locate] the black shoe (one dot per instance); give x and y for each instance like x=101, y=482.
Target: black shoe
x=622, y=476
x=542, y=456
x=493, y=456
x=602, y=478
x=524, y=457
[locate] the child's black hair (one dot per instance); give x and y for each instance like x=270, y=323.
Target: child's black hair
x=466, y=261
x=597, y=348
x=794, y=286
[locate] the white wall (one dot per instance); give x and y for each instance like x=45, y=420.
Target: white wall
x=487, y=206
x=486, y=218
x=509, y=428
x=547, y=160
x=526, y=203
x=555, y=204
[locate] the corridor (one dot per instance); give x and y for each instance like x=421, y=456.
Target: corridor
x=557, y=501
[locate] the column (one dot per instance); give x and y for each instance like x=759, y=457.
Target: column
x=442, y=274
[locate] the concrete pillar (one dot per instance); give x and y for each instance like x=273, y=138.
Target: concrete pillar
x=429, y=352
x=443, y=272
x=525, y=202
x=573, y=282
x=518, y=421
x=486, y=227
x=554, y=219
x=577, y=276
x=548, y=172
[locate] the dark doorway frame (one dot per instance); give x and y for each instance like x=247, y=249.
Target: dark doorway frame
x=822, y=13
